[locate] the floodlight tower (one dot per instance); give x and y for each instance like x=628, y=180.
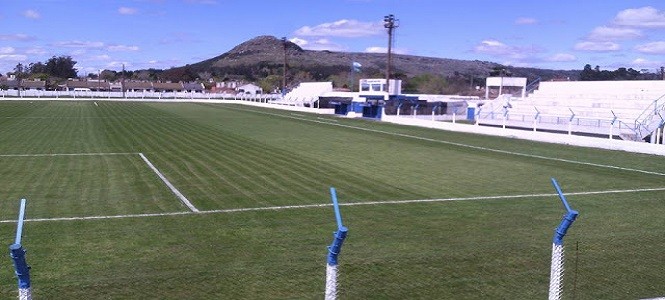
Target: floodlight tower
x=390, y=23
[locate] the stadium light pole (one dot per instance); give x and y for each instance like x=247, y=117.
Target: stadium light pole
x=390, y=23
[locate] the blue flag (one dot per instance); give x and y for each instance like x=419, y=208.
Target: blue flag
x=356, y=66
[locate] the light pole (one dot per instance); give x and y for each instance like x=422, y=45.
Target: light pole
x=284, y=71
x=390, y=23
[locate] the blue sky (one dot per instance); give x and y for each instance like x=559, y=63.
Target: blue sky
x=562, y=34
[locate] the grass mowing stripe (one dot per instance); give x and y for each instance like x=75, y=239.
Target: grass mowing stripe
x=301, y=206
x=458, y=144
x=166, y=181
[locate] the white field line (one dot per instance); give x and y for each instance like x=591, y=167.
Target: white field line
x=460, y=144
x=67, y=154
x=305, y=206
x=182, y=197
x=96, y=103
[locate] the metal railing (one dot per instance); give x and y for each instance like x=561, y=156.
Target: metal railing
x=650, y=119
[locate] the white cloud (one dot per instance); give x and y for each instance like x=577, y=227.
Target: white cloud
x=122, y=48
x=102, y=57
x=78, y=52
x=13, y=57
x=7, y=50
x=561, y=57
x=377, y=49
x=80, y=44
x=319, y=44
x=641, y=17
x=298, y=41
x=36, y=51
x=202, y=1
x=651, y=48
x=31, y=14
x=342, y=28
x=645, y=63
x=606, y=34
x=127, y=10
x=493, y=47
x=526, y=21
x=499, y=49
x=597, y=46
x=16, y=37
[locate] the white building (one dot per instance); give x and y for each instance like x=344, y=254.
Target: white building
x=250, y=89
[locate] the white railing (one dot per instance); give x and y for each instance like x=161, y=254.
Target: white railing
x=14, y=94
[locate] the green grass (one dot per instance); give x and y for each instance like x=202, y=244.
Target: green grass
x=232, y=156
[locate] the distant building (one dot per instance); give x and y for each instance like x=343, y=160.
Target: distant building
x=167, y=87
x=193, y=87
x=87, y=85
x=250, y=89
x=138, y=86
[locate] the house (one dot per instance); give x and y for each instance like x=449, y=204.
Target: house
x=167, y=87
x=9, y=84
x=138, y=86
x=83, y=85
x=115, y=87
x=250, y=89
x=35, y=85
x=193, y=87
x=12, y=84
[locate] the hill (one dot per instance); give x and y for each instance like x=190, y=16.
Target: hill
x=263, y=57
x=264, y=51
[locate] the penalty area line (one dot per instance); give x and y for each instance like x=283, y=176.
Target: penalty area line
x=175, y=191
x=68, y=154
x=305, y=206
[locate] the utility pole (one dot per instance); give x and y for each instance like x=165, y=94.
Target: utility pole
x=285, y=66
x=122, y=81
x=390, y=23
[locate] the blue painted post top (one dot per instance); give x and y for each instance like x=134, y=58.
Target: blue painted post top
x=567, y=221
x=336, y=247
x=21, y=268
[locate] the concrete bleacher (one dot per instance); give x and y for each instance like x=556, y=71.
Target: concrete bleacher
x=306, y=93
x=593, y=103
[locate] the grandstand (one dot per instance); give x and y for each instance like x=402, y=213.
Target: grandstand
x=628, y=109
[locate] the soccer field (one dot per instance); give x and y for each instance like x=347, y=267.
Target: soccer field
x=131, y=200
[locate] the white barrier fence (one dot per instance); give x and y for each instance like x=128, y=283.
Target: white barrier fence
x=135, y=95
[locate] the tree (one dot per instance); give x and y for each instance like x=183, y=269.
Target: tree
x=270, y=83
x=61, y=67
x=587, y=73
x=428, y=84
x=500, y=71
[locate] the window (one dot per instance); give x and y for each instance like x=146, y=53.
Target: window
x=376, y=87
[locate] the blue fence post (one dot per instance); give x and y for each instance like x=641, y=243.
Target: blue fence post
x=556, y=269
x=333, y=250
x=17, y=253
